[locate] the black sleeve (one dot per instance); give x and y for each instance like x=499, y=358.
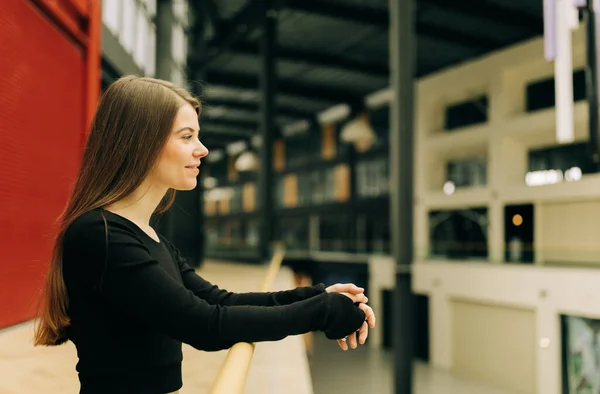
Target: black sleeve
x=216, y=296
x=135, y=283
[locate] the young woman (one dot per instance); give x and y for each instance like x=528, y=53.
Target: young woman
x=122, y=293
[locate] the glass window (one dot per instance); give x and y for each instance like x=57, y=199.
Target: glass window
x=150, y=6
x=139, y=54
x=459, y=234
x=150, y=60
x=334, y=233
x=330, y=184
x=180, y=11
x=177, y=77
x=466, y=173
x=563, y=163
x=466, y=113
x=236, y=199
x=372, y=177
x=111, y=12
x=540, y=94
x=179, y=45
x=129, y=28
x=293, y=232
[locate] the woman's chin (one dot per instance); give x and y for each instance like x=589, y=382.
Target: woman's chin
x=183, y=186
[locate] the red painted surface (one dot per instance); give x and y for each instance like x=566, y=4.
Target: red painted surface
x=45, y=101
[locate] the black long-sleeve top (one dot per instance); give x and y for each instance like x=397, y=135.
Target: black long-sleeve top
x=133, y=301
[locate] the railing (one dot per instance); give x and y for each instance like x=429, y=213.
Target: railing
x=234, y=371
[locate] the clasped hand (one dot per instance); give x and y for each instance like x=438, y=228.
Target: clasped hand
x=357, y=295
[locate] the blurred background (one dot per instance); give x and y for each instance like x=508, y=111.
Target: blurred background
x=443, y=155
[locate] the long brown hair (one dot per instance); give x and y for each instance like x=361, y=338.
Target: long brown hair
x=131, y=125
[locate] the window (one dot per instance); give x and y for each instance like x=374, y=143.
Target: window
x=141, y=37
x=466, y=173
x=236, y=199
x=150, y=7
x=459, y=234
x=150, y=60
x=131, y=21
x=334, y=232
x=466, y=113
x=111, y=15
x=128, y=32
x=372, y=177
x=301, y=149
x=373, y=232
x=540, y=94
x=294, y=232
x=558, y=164
x=178, y=45
x=180, y=11
x=380, y=121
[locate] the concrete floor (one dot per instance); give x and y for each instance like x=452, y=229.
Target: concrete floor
x=365, y=370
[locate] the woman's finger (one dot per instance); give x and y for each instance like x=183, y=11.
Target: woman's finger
x=363, y=333
x=369, y=314
x=361, y=298
x=352, y=341
x=346, y=288
x=342, y=344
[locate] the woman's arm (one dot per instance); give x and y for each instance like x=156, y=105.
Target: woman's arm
x=136, y=284
x=216, y=296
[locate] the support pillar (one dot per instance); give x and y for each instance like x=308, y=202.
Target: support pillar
x=591, y=71
x=402, y=59
x=267, y=78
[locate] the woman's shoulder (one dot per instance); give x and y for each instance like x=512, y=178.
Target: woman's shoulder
x=97, y=226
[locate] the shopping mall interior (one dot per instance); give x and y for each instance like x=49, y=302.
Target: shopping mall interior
x=444, y=156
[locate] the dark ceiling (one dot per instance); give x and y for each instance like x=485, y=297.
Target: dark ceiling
x=332, y=51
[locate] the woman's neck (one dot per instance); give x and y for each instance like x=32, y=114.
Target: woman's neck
x=139, y=205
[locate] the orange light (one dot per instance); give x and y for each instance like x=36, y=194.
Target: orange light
x=517, y=220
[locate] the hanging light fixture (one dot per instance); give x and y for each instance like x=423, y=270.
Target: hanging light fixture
x=358, y=131
x=247, y=161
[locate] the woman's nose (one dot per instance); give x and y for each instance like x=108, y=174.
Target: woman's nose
x=201, y=151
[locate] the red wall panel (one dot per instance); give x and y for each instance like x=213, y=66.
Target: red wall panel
x=42, y=97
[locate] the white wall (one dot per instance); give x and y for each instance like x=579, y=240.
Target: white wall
x=549, y=292
x=567, y=214
x=504, y=140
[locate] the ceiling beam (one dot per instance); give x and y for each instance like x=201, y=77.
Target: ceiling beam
x=315, y=59
x=492, y=12
x=244, y=22
x=380, y=18
x=286, y=87
x=253, y=107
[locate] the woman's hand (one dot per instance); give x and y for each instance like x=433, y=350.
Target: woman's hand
x=350, y=290
x=356, y=294
x=363, y=331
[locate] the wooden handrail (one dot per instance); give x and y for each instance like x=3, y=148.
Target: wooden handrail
x=232, y=375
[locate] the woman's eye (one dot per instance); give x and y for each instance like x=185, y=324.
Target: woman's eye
x=188, y=137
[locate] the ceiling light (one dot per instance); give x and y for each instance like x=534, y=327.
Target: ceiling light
x=358, y=131
x=247, y=161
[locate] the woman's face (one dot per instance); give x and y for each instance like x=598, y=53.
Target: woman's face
x=177, y=165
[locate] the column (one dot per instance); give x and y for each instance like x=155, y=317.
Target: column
x=402, y=59
x=267, y=79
